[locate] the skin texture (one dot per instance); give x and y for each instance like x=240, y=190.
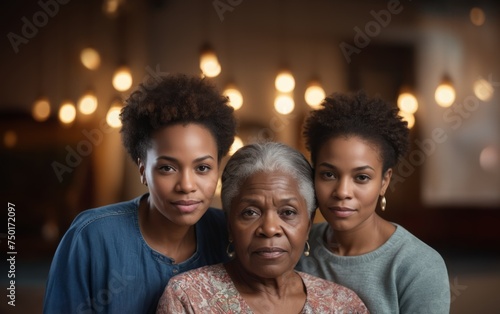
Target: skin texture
x=349, y=182
x=269, y=224
x=181, y=173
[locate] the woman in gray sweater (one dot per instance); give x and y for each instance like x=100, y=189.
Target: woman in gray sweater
x=355, y=142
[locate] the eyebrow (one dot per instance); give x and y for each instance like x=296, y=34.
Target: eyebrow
x=172, y=159
x=253, y=201
x=330, y=166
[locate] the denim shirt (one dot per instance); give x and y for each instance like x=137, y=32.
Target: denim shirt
x=104, y=265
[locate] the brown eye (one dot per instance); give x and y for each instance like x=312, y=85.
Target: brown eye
x=328, y=175
x=249, y=212
x=166, y=168
x=288, y=212
x=363, y=178
x=204, y=168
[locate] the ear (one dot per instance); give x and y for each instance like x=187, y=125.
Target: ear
x=386, y=179
x=142, y=168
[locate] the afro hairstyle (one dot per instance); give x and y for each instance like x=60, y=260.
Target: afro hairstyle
x=356, y=114
x=175, y=99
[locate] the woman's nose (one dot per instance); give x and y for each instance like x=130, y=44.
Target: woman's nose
x=270, y=225
x=343, y=189
x=186, y=182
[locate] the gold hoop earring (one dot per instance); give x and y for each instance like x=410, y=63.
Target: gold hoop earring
x=383, y=203
x=230, y=254
x=308, y=249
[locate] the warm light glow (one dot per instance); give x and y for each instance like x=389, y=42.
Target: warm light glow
x=10, y=139
x=113, y=116
x=87, y=103
x=407, y=102
x=314, y=95
x=477, y=16
x=218, y=188
x=237, y=144
x=50, y=230
x=483, y=89
x=285, y=82
x=284, y=104
x=67, y=112
x=110, y=7
x=408, y=117
x=41, y=109
x=122, y=79
x=445, y=95
x=235, y=97
x=209, y=64
x=90, y=58
x=488, y=159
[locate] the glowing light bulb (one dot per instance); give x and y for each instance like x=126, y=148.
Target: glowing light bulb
x=407, y=102
x=122, y=79
x=235, y=97
x=445, y=94
x=314, y=95
x=483, y=89
x=87, y=103
x=285, y=82
x=284, y=104
x=113, y=115
x=209, y=64
x=477, y=16
x=41, y=109
x=67, y=112
x=90, y=58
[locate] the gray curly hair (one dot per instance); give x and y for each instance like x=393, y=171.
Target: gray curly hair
x=267, y=157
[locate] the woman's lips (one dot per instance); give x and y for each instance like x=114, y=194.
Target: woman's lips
x=186, y=207
x=270, y=252
x=342, y=212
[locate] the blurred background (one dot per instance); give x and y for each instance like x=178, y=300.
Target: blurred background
x=68, y=66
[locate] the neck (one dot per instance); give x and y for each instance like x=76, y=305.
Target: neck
x=175, y=241
x=365, y=238
x=250, y=284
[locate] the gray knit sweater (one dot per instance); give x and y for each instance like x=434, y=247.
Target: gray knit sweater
x=404, y=275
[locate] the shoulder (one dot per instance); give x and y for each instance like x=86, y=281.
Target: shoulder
x=422, y=276
x=204, y=276
x=413, y=250
x=103, y=217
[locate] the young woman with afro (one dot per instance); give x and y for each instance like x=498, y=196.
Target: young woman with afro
x=355, y=142
x=119, y=258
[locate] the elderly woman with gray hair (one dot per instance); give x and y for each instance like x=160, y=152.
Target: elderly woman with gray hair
x=268, y=197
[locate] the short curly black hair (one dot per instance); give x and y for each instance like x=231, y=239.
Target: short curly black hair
x=175, y=99
x=356, y=114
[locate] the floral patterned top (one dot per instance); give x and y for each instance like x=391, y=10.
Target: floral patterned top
x=210, y=289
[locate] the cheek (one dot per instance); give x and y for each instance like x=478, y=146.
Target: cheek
x=322, y=191
x=369, y=198
x=208, y=182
